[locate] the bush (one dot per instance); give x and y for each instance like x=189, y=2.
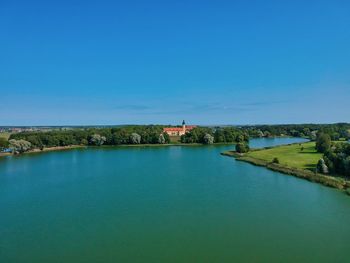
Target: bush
x=275, y=160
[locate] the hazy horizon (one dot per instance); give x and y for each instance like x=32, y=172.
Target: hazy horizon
x=223, y=63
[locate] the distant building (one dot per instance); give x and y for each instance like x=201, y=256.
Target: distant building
x=178, y=131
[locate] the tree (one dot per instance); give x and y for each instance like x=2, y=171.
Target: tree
x=135, y=138
x=161, y=139
x=120, y=136
x=19, y=146
x=337, y=159
x=166, y=137
x=323, y=142
x=267, y=134
x=322, y=167
x=35, y=141
x=3, y=143
x=208, y=139
x=347, y=166
x=219, y=135
x=242, y=147
x=313, y=135
x=259, y=133
x=240, y=138
x=97, y=139
x=84, y=141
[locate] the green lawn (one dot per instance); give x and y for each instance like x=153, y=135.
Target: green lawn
x=290, y=155
x=5, y=135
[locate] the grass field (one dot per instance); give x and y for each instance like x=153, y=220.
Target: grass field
x=290, y=155
x=5, y=135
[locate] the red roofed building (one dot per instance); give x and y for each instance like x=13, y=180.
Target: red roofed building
x=177, y=131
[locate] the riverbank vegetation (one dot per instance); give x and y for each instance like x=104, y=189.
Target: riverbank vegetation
x=302, y=160
x=152, y=134
x=336, y=156
x=127, y=135
x=336, y=131
x=217, y=135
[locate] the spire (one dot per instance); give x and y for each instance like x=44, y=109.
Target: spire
x=183, y=122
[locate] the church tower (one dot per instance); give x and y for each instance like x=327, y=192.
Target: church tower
x=183, y=126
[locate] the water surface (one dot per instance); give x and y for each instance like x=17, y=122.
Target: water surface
x=165, y=204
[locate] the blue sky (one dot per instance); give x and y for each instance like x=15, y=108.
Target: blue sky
x=208, y=62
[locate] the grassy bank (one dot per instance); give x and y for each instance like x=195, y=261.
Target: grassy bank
x=300, y=156
x=298, y=160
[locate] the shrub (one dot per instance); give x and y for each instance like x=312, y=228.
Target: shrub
x=275, y=160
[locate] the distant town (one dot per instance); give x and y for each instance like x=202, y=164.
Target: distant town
x=17, y=129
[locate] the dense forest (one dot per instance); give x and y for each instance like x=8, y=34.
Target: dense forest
x=336, y=158
x=336, y=131
x=208, y=135
x=151, y=134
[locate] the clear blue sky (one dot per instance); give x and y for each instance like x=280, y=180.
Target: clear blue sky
x=208, y=62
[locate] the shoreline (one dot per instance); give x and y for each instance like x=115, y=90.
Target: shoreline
x=49, y=149
x=326, y=180
x=71, y=147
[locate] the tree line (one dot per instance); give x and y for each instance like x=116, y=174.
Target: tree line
x=336, y=156
x=135, y=134
x=336, y=131
x=150, y=134
x=209, y=135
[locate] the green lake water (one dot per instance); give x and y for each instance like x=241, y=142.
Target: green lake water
x=165, y=204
